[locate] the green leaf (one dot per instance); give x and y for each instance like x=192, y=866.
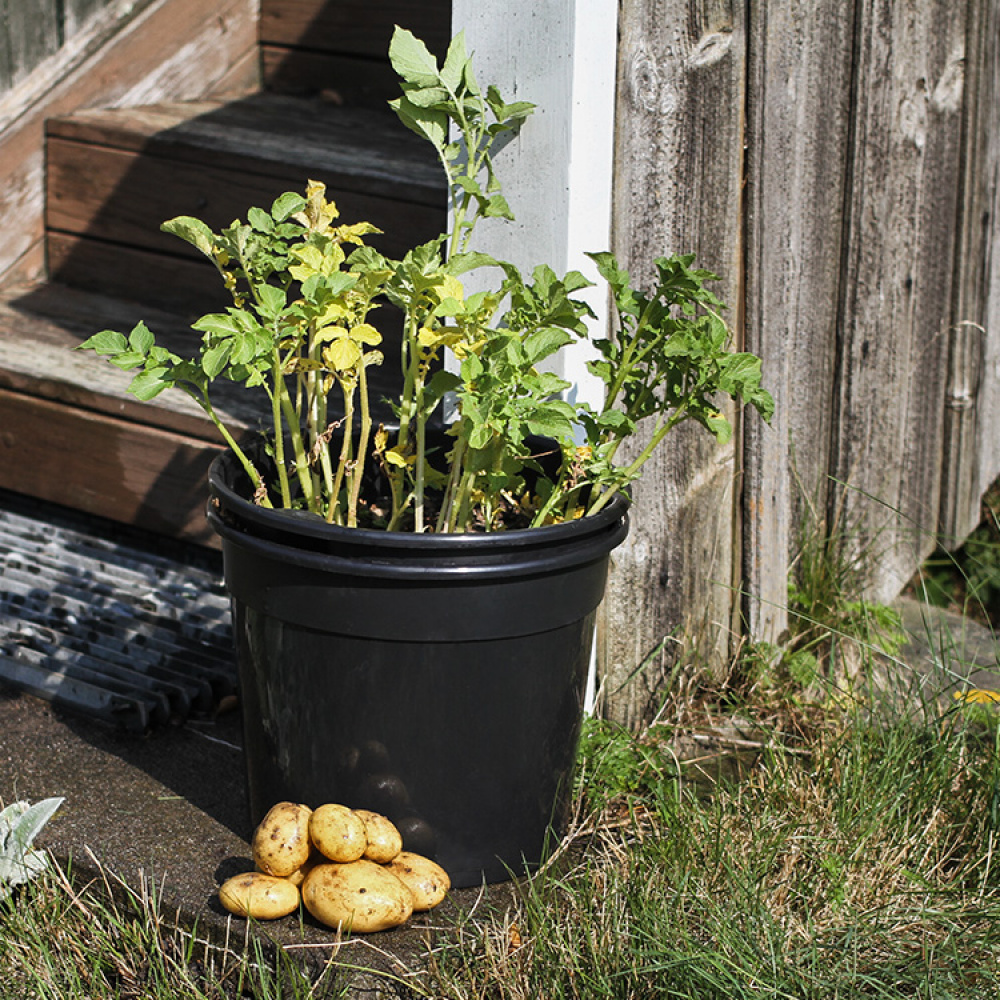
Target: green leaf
x=544, y=342
x=150, y=383
x=260, y=220
x=105, y=342
x=214, y=360
x=218, y=323
x=272, y=300
x=455, y=62
x=193, y=231
x=140, y=339
x=411, y=59
x=497, y=208
x=426, y=122
x=286, y=205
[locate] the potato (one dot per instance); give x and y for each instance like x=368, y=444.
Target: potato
x=337, y=833
x=384, y=840
x=298, y=876
x=257, y=895
x=281, y=842
x=427, y=881
x=361, y=896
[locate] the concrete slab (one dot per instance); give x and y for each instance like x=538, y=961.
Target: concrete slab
x=171, y=808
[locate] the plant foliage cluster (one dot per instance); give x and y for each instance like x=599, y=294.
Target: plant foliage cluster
x=304, y=326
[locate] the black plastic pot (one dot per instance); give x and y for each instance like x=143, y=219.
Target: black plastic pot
x=438, y=679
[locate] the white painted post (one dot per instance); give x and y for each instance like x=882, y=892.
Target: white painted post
x=557, y=174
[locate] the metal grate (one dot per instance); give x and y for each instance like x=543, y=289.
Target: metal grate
x=99, y=624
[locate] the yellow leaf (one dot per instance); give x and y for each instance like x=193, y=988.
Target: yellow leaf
x=395, y=456
x=452, y=288
x=331, y=312
x=330, y=332
x=365, y=333
x=318, y=213
x=342, y=355
x=355, y=232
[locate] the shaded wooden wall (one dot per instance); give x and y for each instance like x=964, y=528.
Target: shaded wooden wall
x=836, y=162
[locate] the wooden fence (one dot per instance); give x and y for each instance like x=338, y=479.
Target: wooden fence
x=836, y=162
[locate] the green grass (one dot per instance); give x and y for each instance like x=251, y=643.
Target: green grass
x=63, y=938
x=860, y=865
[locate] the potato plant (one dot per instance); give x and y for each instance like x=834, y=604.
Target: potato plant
x=304, y=327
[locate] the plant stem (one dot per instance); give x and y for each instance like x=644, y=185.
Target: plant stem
x=260, y=490
x=357, y=474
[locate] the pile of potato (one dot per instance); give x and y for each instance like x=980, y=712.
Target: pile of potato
x=347, y=866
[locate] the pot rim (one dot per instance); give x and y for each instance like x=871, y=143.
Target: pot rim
x=309, y=529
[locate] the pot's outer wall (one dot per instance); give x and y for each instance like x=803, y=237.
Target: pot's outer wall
x=468, y=747
x=436, y=679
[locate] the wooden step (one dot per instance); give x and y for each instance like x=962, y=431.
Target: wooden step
x=70, y=434
x=313, y=46
x=115, y=175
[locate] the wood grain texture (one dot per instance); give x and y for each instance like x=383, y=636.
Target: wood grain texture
x=41, y=324
x=30, y=30
x=138, y=475
x=679, y=189
x=353, y=80
x=355, y=27
x=897, y=283
x=971, y=447
x=799, y=113
x=167, y=49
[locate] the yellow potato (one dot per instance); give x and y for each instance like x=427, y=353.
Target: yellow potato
x=337, y=833
x=281, y=842
x=384, y=840
x=298, y=876
x=427, y=881
x=361, y=896
x=257, y=895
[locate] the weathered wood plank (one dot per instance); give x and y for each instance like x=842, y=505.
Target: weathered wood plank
x=111, y=195
x=897, y=282
x=41, y=324
x=273, y=136
x=679, y=186
x=151, y=478
x=355, y=27
x=799, y=107
x=971, y=445
x=30, y=30
x=167, y=49
x=353, y=80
